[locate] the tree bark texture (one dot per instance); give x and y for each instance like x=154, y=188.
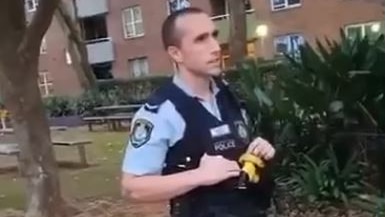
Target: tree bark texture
x=238, y=35
x=76, y=46
x=19, y=56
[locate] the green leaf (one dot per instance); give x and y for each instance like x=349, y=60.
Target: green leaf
x=262, y=97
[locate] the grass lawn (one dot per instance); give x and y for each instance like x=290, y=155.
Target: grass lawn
x=100, y=179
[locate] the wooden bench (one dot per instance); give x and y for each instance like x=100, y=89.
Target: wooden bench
x=9, y=149
x=12, y=149
x=93, y=120
x=80, y=144
x=113, y=121
x=53, y=128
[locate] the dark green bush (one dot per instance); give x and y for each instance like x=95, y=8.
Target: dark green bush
x=133, y=90
x=326, y=180
x=57, y=106
x=330, y=95
x=108, y=92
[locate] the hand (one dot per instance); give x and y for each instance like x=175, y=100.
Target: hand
x=214, y=169
x=261, y=148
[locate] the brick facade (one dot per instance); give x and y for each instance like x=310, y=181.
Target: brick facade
x=313, y=18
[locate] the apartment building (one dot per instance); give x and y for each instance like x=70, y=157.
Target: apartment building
x=123, y=36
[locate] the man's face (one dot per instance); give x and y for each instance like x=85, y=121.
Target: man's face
x=199, y=50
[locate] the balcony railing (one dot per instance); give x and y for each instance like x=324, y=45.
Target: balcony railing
x=100, y=50
x=88, y=8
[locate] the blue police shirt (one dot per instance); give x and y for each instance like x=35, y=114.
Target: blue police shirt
x=155, y=132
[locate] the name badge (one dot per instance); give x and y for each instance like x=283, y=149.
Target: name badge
x=220, y=131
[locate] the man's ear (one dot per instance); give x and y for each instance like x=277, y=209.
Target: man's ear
x=175, y=54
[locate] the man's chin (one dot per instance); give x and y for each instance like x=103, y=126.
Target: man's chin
x=215, y=72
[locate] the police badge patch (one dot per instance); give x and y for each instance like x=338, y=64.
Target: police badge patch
x=242, y=130
x=141, y=132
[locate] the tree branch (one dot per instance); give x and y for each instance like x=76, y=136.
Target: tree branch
x=40, y=23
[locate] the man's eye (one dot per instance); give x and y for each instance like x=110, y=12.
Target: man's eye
x=201, y=38
x=215, y=34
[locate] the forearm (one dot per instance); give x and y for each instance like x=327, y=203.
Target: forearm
x=160, y=188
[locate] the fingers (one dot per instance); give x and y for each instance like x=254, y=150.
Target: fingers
x=262, y=148
x=233, y=169
x=233, y=173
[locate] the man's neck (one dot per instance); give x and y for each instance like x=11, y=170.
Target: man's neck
x=199, y=85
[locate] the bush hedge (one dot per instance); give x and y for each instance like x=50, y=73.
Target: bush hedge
x=108, y=92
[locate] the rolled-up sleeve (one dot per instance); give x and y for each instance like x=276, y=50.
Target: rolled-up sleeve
x=148, y=143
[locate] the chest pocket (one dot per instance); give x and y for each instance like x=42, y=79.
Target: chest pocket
x=228, y=139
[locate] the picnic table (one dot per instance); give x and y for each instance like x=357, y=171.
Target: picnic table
x=113, y=117
x=118, y=107
x=12, y=149
x=52, y=128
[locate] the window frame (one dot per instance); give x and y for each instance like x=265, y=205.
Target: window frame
x=35, y=5
x=362, y=26
x=46, y=83
x=131, y=65
x=287, y=38
x=168, y=5
x=285, y=5
x=43, y=45
x=130, y=9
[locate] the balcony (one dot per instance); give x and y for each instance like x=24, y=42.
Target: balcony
x=222, y=23
x=100, y=51
x=88, y=8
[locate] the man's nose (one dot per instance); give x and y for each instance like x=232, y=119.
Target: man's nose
x=215, y=46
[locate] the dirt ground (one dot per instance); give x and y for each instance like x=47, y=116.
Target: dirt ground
x=100, y=197
x=106, y=207
x=109, y=207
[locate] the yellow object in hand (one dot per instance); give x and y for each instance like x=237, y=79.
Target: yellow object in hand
x=251, y=165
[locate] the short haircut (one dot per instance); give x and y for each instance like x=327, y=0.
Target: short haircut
x=170, y=35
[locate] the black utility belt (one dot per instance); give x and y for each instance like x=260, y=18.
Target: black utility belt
x=222, y=205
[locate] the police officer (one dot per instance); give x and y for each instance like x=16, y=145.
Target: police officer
x=185, y=141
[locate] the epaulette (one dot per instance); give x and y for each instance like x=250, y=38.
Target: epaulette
x=155, y=101
x=151, y=108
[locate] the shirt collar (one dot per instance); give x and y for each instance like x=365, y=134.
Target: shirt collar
x=182, y=85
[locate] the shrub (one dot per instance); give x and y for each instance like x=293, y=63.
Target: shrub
x=108, y=92
x=327, y=180
x=133, y=90
x=57, y=106
x=326, y=96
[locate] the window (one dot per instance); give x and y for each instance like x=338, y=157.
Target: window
x=133, y=22
x=31, y=5
x=95, y=28
x=220, y=7
x=102, y=70
x=284, y=4
x=45, y=84
x=138, y=66
x=372, y=30
x=43, y=46
x=174, y=5
x=68, y=57
x=288, y=44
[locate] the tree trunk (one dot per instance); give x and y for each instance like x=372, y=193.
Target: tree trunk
x=238, y=36
x=76, y=46
x=19, y=55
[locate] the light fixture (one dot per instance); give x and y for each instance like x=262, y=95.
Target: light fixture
x=261, y=30
x=375, y=27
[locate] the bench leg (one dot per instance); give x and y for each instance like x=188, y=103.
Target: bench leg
x=90, y=126
x=120, y=126
x=111, y=125
x=82, y=155
x=18, y=164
